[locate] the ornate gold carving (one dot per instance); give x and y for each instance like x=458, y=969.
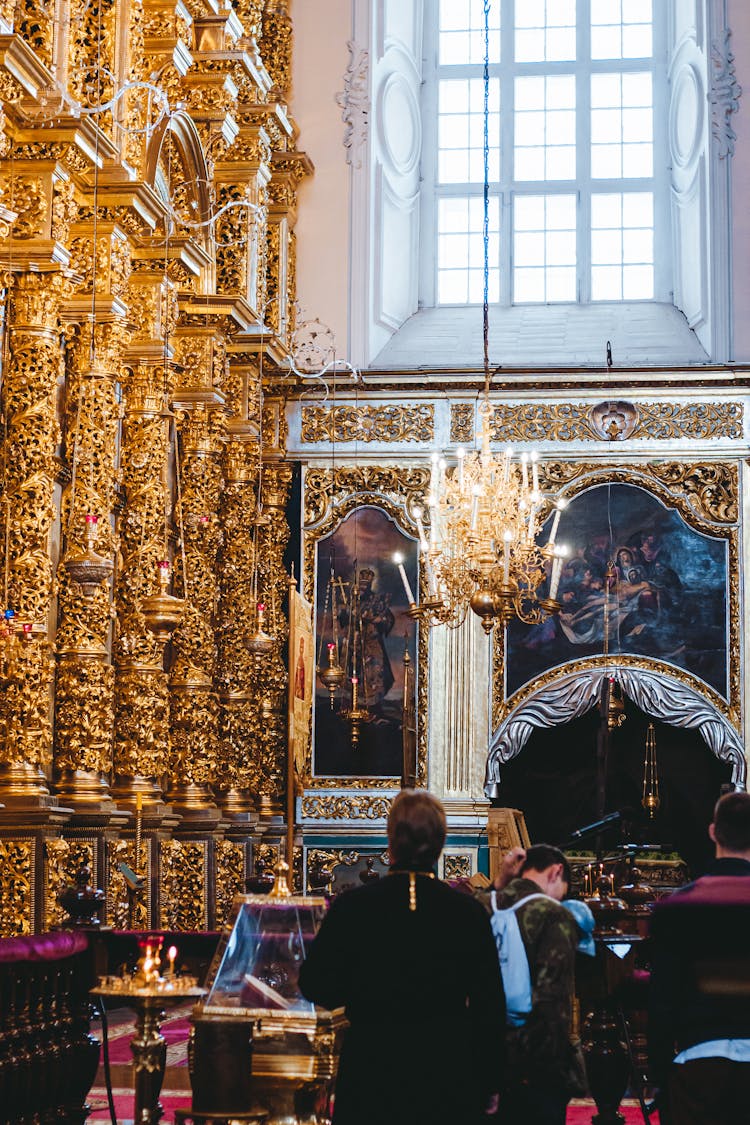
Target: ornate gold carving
x=184, y=871
x=336, y=806
x=565, y=422
x=705, y=493
x=321, y=862
x=16, y=887
x=123, y=851
x=392, y=423
x=239, y=727
x=276, y=45
x=31, y=437
x=710, y=489
x=230, y=877
x=456, y=866
x=25, y=196
x=360, y=484
x=462, y=422
x=195, y=709
x=63, y=860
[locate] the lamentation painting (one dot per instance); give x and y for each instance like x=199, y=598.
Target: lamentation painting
x=362, y=631
x=669, y=591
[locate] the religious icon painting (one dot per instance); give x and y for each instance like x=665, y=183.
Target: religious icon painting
x=669, y=595
x=362, y=631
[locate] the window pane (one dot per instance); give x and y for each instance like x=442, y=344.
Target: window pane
x=528, y=285
x=545, y=127
x=621, y=30
x=544, y=248
x=606, y=283
x=545, y=30
x=462, y=31
x=622, y=246
x=460, y=251
x=461, y=130
x=638, y=283
x=624, y=149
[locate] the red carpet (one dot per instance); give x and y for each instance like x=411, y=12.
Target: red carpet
x=176, y=1091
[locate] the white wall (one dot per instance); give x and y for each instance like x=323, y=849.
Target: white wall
x=739, y=22
x=321, y=57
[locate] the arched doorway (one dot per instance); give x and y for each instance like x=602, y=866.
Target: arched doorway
x=543, y=759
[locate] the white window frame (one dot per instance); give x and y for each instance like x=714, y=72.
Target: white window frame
x=699, y=46
x=506, y=70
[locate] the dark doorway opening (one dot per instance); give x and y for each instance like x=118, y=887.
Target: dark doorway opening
x=553, y=782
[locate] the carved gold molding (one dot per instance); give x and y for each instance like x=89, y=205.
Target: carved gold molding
x=335, y=806
x=566, y=422
x=391, y=423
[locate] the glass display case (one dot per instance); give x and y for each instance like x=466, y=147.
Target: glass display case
x=257, y=963
x=256, y=1041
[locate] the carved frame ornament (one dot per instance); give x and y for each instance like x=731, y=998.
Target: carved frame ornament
x=329, y=496
x=706, y=495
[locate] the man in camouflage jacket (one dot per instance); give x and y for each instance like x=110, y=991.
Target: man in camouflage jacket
x=544, y=1069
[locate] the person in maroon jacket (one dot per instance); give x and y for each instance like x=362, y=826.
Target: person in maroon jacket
x=413, y=961
x=700, y=983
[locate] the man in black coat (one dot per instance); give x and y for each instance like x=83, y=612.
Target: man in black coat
x=700, y=983
x=414, y=964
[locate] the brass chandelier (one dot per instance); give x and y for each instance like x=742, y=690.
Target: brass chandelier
x=485, y=516
x=486, y=513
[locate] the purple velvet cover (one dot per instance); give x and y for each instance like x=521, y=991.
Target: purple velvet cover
x=42, y=947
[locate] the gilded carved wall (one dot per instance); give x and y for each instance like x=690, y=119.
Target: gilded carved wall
x=146, y=226
x=150, y=422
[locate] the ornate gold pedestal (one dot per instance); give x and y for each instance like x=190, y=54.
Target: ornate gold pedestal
x=294, y=1060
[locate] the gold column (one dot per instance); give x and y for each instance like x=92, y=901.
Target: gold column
x=277, y=47
x=142, y=736
x=34, y=364
x=270, y=674
x=195, y=761
x=84, y=695
x=240, y=724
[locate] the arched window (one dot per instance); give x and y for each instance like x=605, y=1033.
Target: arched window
x=578, y=168
x=611, y=142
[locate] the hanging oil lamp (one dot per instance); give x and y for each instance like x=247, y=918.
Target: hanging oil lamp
x=87, y=568
x=260, y=642
x=650, y=799
x=333, y=675
x=162, y=611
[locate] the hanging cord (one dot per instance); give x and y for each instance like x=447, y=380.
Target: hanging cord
x=180, y=520
x=105, y=1055
x=486, y=202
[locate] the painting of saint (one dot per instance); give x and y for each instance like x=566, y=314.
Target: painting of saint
x=361, y=609
x=667, y=591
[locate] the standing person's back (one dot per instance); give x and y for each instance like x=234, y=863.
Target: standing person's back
x=700, y=983
x=544, y=1069
x=414, y=964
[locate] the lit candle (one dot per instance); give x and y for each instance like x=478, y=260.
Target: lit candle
x=556, y=572
x=476, y=492
x=441, y=478
x=535, y=501
x=560, y=507
x=460, y=454
x=171, y=957
x=399, y=561
x=434, y=474
x=525, y=470
x=420, y=528
x=534, y=471
x=507, y=538
x=506, y=466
